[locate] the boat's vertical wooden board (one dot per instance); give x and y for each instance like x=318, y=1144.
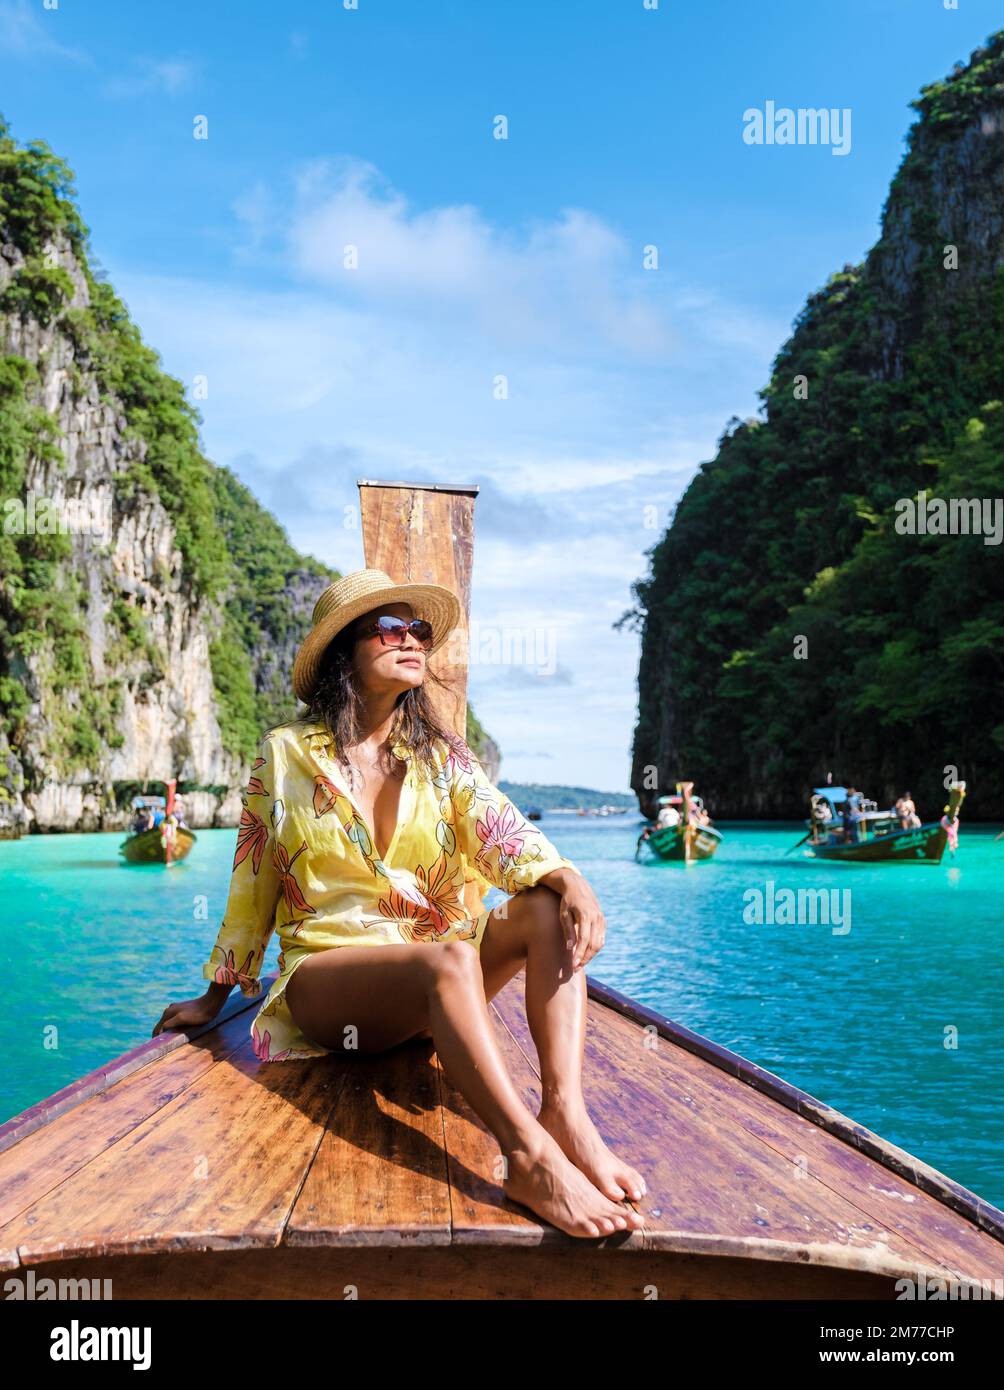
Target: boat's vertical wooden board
x=420, y=534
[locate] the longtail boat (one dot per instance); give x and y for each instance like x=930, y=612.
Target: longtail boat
x=878, y=837
x=187, y=1168
x=166, y=843
x=687, y=841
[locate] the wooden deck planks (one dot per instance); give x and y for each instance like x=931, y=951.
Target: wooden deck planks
x=219, y=1167
x=882, y=1195
x=704, y=1176
x=205, y=1148
x=379, y=1175
x=51, y=1154
x=404, y=1160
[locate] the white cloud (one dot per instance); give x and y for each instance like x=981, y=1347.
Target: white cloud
x=165, y=75
x=563, y=283
x=27, y=31
x=316, y=381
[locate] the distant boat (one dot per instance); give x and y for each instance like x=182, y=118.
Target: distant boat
x=684, y=841
x=166, y=842
x=534, y=813
x=880, y=837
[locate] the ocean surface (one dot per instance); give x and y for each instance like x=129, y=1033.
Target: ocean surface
x=897, y=1022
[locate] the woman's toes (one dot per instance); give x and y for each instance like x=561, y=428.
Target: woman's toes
x=633, y=1185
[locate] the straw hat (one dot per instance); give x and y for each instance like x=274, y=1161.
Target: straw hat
x=353, y=595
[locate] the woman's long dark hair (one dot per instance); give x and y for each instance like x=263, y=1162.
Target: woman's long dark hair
x=337, y=704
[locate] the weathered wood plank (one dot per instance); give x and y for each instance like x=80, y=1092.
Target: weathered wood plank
x=111, y=1073
x=219, y=1167
x=709, y=1186
x=418, y=533
x=940, y=1233
x=422, y=534
x=950, y=1193
x=47, y=1156
x=379, y=1175
x=939, y=1225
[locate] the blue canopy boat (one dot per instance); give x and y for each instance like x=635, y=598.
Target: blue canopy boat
x=865, y=834
x=166, y=840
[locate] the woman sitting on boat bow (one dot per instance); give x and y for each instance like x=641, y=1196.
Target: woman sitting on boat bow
x=361, y=825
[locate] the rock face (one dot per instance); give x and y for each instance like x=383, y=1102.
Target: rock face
x=109, y=675
x=490, y=756
x=789, y=627
x=125, y=552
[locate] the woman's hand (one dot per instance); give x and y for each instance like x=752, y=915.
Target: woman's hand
x=580, y=914
x=192, y=1013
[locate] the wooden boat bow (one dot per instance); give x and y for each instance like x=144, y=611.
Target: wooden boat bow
x=188, y=1168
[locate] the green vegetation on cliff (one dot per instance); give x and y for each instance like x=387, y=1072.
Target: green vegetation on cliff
x=235, y=556
x=891, y=383
x=238, y=566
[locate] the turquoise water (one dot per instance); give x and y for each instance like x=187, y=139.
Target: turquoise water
x=95, y=950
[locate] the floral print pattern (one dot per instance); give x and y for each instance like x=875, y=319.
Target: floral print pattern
x=306, y=866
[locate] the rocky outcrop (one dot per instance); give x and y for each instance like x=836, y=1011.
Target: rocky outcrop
x=150, y=608
x=788, y=629
x=143, y=704
x=489, y=756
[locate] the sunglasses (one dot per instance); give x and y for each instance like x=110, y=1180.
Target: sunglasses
x=391, y=630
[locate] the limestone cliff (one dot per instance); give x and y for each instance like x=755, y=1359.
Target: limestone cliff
x=789, y=629
x=117, y=675
x=150, y=608
x=138, y=638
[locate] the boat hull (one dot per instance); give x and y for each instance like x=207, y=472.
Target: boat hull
x=669, y=844
x=472, y=1271
x=923, y=845
x=148, y=847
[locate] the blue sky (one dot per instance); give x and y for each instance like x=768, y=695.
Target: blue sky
x=479, y=258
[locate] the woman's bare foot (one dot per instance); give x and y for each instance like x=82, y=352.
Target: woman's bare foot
x=544, y=1180
x=580, y=1142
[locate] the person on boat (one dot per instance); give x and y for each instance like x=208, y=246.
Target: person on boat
x=363, y=824
x=951, y=828
x=907, y=812
x=141, y=820
x=667, y=818
x=851, y=816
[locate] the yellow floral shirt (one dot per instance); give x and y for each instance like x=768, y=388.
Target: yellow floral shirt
x=307, y=865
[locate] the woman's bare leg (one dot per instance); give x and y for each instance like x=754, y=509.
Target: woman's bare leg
x=526, y=930
x=384, y=995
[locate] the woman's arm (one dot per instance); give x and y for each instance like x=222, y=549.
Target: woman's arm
x=512, y=853
x=249, y=918
x=580, y=913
